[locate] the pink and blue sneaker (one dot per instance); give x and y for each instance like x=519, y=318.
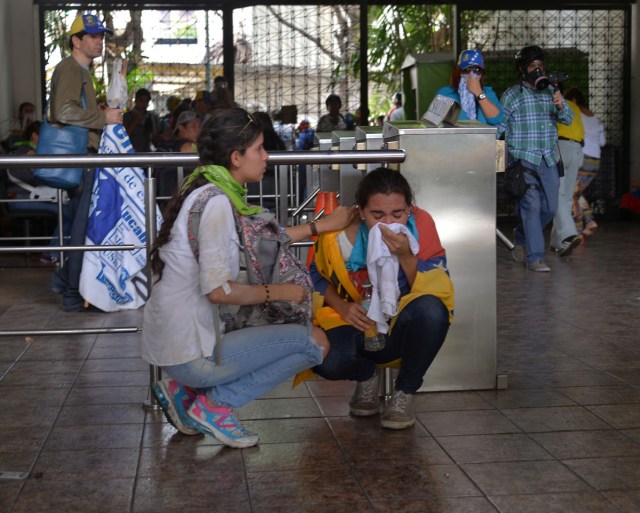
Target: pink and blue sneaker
x=176, y=400
x=221, y=424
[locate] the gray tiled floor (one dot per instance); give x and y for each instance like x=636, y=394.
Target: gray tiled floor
x=564, y=437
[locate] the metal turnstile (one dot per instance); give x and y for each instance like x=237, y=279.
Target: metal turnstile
x=452, y=172
x=349, y=175
x=369, y=138
x=324, y=177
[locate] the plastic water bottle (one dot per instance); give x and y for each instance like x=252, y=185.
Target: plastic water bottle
x=373, y=341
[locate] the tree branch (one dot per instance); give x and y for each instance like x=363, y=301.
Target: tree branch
x=307, y=35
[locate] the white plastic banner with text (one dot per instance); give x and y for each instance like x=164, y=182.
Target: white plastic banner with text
x=115, y=280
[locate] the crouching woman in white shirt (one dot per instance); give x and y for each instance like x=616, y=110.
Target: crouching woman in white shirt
x=211, y=373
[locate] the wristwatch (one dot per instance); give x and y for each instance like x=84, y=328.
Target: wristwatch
x=481, y=96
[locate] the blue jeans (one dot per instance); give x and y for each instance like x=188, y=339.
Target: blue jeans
x=67, y=280
x=252, y=361
x=417, y=336
x=537, y=208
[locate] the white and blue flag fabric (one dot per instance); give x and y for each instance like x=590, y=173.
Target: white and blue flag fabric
x=116, y=280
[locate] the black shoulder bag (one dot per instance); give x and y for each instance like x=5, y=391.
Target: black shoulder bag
x=514, y=179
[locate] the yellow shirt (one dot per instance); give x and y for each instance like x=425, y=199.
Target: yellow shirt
x=574, y=131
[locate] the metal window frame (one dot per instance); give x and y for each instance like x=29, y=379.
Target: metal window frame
x=228, y=6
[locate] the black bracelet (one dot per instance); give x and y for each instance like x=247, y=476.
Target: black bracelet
x=267, y=299
x=314, y=228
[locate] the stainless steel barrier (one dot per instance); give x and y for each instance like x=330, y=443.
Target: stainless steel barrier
x=191, y=159
x=154, y=161
x=452, y=171
x=285, y=181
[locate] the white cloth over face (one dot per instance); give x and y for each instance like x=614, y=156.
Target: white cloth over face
x=467, y=99
x=383, y=268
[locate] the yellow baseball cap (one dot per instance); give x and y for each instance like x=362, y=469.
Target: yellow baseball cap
x=90, y=24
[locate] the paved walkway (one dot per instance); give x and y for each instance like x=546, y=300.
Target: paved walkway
x=564, y=437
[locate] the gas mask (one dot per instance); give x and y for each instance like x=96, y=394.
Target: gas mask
x=537, y=79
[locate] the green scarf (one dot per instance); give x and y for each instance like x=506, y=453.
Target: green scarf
x=220, y=176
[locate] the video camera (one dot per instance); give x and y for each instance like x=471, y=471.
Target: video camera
x=555, y=77
x=542, y=81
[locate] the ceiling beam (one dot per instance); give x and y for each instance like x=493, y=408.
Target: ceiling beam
x=222, y=4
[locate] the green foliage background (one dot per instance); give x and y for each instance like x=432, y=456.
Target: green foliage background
x=394, y=32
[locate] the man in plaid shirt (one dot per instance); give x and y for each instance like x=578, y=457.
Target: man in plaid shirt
x=532, y=110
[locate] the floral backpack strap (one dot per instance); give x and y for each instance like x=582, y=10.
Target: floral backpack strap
x=195, y=214
x=193, y=224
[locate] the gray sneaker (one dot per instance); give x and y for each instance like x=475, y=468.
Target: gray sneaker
x=539, y=267
x=366, y=401
x=518, y=251
x=399, y=413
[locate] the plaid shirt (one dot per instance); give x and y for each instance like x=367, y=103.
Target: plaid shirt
x=529, y=123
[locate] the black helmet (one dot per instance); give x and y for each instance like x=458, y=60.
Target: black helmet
x=528, y=54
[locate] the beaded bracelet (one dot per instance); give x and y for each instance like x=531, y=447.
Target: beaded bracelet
x=314, y=228
x=267, y=299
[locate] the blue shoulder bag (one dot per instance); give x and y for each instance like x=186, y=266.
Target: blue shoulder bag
x=67, y=140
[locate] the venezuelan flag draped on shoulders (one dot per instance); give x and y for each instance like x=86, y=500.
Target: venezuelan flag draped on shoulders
x=330, y=268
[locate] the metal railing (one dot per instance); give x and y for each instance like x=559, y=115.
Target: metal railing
x=159, y=160
x=284, y=160
x=284, y=181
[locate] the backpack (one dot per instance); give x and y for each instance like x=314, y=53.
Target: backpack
x=265, y=258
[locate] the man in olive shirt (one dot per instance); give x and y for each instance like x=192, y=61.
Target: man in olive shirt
x=71, y=81
x=73, y=102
